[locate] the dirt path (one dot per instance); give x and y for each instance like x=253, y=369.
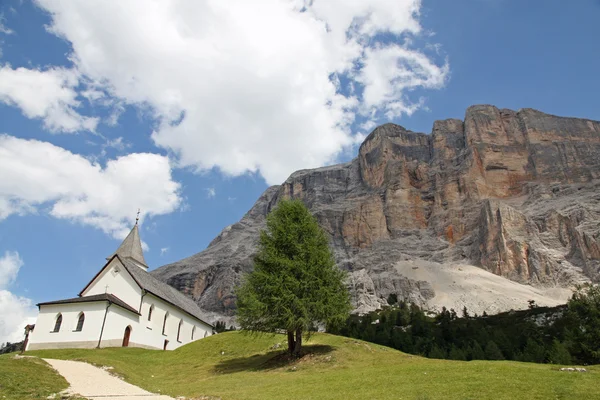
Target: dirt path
x=97, y=384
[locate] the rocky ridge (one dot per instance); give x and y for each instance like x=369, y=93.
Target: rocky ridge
x=513, y=193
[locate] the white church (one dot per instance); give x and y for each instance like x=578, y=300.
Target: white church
x=123, y=305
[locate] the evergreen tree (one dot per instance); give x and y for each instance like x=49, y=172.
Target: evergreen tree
x=437, y=352
x=584, y=323
x=492, y=352
x=559, y=354
x=457, y=354
x=477, y=352
x=534, y=352
x=295, y=281
x=465, y=312
x=220, y=327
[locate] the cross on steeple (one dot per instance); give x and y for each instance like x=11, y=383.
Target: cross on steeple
x=137, y=218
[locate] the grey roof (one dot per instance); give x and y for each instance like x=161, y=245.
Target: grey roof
x=131, y=247
x=162, y=290
x=97, y=297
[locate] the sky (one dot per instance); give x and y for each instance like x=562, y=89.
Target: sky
x=189, y=110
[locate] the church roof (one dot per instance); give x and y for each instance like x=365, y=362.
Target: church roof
x=163, y=290
x=97, y=297
x=132, y=247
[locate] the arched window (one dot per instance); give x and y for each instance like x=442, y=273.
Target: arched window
x=193, y=332
x=58, y=323
x=179, y=330
x=164, y=331
x=80, y=321
x=150, y=312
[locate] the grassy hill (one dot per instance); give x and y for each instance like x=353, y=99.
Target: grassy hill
x=28, y=378
x=234, y=365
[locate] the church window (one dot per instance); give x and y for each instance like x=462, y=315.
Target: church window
x=179, y=331
x=164, y=331
x=150, y=312
x=193, y=332
x=80, y=322
x=58, y=323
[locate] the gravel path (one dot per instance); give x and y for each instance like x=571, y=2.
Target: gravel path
x=97, y=384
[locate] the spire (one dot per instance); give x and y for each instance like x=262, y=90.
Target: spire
x=132, y=247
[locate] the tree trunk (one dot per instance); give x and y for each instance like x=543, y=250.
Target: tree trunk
x=298, y=346
x=291, y=342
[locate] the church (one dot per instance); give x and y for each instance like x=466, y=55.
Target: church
x=123, y=305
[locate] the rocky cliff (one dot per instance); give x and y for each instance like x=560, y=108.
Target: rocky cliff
x=487, y=212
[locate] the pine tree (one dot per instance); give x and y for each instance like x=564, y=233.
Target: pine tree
x=492, y=352
x=437, y=352
x=465, y=312
x=477, y=352
x=220, y=327
x=583, y=317
x=457, y=354
x=534, y=352
x=559, y=354
x=295, y=282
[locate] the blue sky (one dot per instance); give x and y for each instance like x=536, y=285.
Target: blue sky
x=190, y=113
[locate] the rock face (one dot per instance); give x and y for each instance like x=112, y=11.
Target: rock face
x=515, y=193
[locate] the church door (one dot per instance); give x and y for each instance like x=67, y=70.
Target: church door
x=126, y=336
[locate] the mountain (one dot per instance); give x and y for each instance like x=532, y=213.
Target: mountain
x=487, y=213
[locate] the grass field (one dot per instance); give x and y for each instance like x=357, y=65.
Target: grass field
x=28, y=378
x=339, y=368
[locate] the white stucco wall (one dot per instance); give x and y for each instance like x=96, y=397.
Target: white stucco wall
x=117, y=320
x=144, y=333
x=43, y=337
x=116, y=280
x=154, y=336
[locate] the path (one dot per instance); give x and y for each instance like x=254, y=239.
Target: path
x=97, y=384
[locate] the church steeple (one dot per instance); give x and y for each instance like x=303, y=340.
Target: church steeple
x=132, y=247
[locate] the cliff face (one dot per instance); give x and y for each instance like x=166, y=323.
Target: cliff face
x=516, y=194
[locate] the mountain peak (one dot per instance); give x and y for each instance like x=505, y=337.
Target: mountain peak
x=514, y=194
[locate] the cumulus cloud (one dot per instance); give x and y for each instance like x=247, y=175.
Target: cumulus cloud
x=164, y=250
x=269, y=87
x=16, y=311
x=385, y=87
x=38, y=176
x=48, y=94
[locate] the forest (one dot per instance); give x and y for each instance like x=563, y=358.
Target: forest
x=568, y=334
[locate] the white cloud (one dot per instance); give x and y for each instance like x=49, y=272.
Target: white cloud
x=117, y=144
x=385, y=86
x=40, y=176
x=210, y=192
x=368, y=125
x=164, y=250
x=3, y=28
x=46, y=94
x=250, y=86
x=16, y=311
x=10, y=264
